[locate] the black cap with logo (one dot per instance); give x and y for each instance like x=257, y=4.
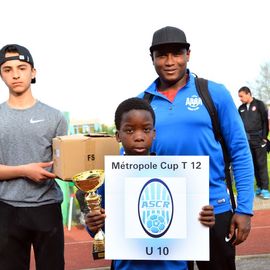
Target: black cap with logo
x=24, y=55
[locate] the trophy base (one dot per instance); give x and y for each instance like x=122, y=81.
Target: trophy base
x=97, y=255
x=98, y=249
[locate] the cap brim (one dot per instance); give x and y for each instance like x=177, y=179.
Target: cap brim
x=176, y=44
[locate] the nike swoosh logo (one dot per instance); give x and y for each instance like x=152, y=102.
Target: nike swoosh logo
x=227, y=239
x=32, y=121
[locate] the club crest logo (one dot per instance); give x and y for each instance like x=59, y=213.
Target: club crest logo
x=155, y=208
x=193, y=103
x=253, y=108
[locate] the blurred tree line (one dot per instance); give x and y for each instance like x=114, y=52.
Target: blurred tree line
x=108, y=129
x=261, y=87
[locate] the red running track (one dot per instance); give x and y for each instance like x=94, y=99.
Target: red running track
x=78, y=244
x=258, y=241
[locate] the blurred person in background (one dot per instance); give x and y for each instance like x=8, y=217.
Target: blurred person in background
x=255, y=118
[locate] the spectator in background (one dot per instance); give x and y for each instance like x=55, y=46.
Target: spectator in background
x=255, y=118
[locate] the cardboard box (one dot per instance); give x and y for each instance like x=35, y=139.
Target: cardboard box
x=73, y=154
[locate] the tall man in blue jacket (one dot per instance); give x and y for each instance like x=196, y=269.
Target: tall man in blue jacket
x=183, y=127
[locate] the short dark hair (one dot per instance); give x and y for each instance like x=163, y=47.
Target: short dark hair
x=244, y=89
x=132, y=104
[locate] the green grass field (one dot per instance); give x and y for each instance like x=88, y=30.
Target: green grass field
x=268, y=166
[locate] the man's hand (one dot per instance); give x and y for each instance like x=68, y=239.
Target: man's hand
x=36, y=171
x=240, y=228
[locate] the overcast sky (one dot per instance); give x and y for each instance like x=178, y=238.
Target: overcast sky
x=91, y=55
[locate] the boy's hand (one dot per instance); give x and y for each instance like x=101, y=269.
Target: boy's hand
x=207, y=217
x=36, y=171
x=95, y=220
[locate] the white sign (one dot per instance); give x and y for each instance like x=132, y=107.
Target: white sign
x=152, y=204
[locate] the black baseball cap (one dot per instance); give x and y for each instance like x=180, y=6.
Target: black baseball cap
x=169, y=35
x=24, y=55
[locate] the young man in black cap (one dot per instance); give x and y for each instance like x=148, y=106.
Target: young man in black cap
x=30, y=199
x=184, y=127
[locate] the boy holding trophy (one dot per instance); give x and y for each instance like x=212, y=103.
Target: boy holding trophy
x=135, y=121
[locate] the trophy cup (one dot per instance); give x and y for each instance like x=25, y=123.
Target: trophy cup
x=89, y=182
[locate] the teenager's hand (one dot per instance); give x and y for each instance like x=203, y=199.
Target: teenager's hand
x=207, y=217
x=95, y=220
x=36, y=171
x=240, y=228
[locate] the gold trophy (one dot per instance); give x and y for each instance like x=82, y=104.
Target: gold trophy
x=89, y=182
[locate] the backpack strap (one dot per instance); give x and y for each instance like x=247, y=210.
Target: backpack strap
x=202, y=88
x=148, y=97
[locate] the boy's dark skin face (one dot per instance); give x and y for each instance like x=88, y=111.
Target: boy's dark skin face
x=136, y=132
